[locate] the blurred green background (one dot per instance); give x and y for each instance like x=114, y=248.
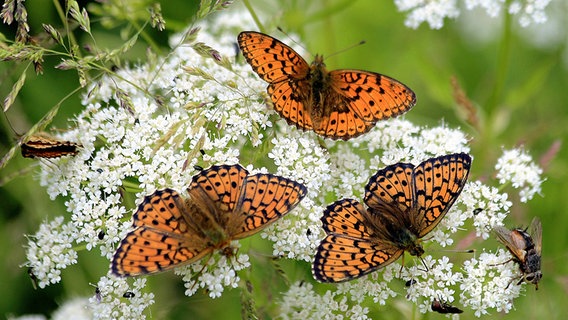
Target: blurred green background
x=518, y=89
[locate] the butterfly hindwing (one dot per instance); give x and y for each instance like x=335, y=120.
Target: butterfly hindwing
x=289, y=102
x=349, y=251
x=162, y=238
x=372, y=96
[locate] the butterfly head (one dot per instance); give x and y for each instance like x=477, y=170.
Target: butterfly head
x=415, y=249
x=318, y=62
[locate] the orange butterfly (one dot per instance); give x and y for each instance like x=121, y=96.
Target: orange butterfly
x=338, y=104
x=405, y=203
x=526, y=249
x=225, y=203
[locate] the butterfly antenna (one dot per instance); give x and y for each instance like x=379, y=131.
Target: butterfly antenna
x=292, y=39
x=347, y=48
x=11, y=126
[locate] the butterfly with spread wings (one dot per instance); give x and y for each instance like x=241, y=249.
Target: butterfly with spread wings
x=405, y=202
x=225, y=203
x=338, y=104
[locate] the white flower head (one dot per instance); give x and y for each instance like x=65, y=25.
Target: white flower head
x=517, y=168
x=435, y=11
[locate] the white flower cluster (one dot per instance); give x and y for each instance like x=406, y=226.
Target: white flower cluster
x=302, y=302
x=486, y=205
x=116, y=299
x=50, y=250
x=487, y=283
x=435, y=11
x=517, y=167
x=222, y=273
x=131, y=142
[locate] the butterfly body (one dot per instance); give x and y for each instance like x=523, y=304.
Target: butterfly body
x=526, y=249
x=386, y=225
x=225, y=203
x=338, y=104
x=405, y=202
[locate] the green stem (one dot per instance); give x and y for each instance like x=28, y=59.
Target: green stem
x=254, y=16
x=145, y=36
x=131, y=186
x=502, y=66
x=70, y=35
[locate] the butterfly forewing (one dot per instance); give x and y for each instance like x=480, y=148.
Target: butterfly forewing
x=264, y=199
x=437, y=184
x=271, y=59
x=391, y=189
x=220, y=186
x=349, y=251
x=345, y=217
x=160, y=239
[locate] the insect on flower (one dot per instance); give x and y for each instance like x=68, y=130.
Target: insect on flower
x=44, y=146
x=444, y=307
x=225, y=203
x=405, y=202
x=338, y=104
x=526, y=249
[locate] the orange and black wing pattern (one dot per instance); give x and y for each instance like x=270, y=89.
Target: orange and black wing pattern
x=161, y=239
x=350, y=250
x=43, y=146
x=264, y=199
x=341, y=104
x=225, y=203
x=437, y=183
x=405, y=203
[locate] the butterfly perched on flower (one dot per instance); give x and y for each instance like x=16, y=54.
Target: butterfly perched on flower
x=45, y=146
x=526, y=249
x=405, y=202
x=338, y=104
x=225, y=203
